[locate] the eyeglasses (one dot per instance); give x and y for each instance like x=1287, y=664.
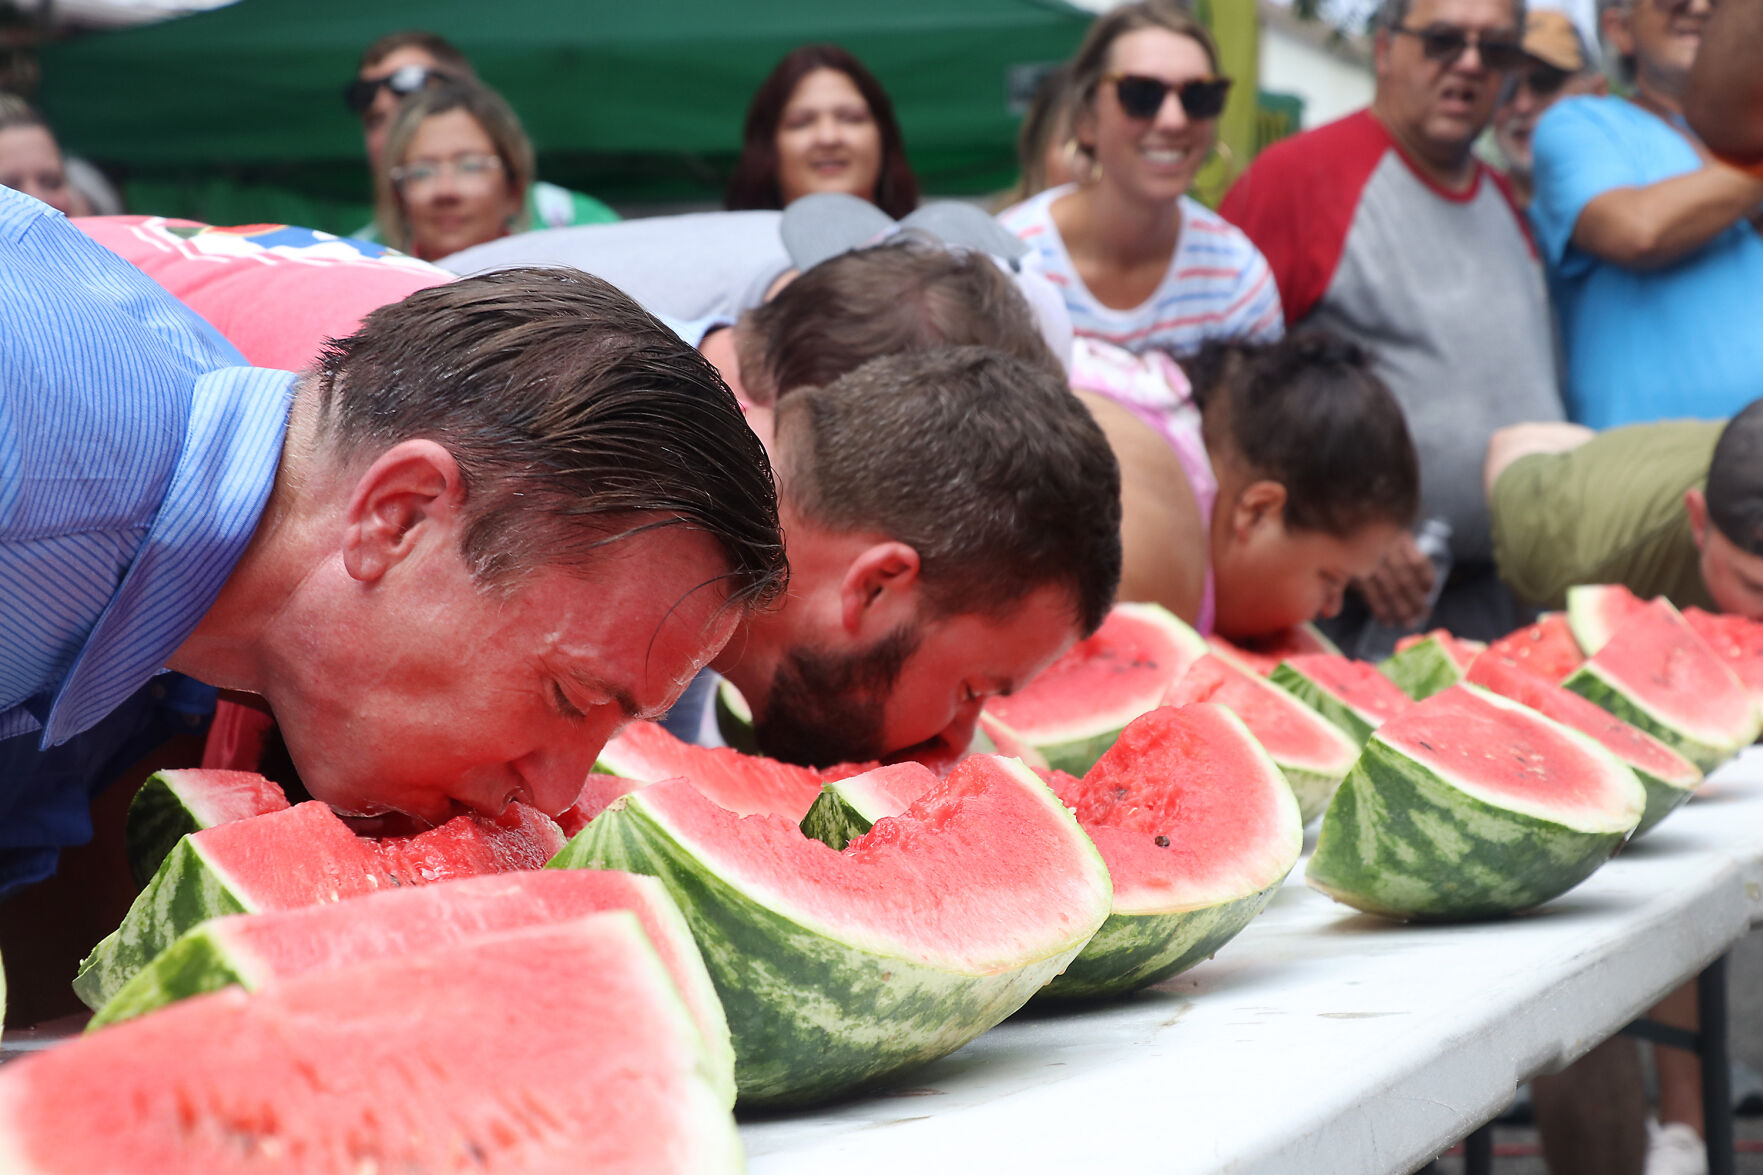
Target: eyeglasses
x=468, y=171
x=1447, y=43
x=1543, y=81
x=358, y=95
x=1142, y=97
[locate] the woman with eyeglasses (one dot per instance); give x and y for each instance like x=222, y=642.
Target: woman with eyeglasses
x=1141, y=264
x=455, y=172
x=821, y=122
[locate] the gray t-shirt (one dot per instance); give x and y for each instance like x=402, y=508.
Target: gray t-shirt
x=690, y=266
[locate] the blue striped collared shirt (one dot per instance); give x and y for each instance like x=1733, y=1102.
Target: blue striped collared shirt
x=136, y=454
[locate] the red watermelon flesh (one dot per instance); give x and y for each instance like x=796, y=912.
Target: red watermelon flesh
x=220, y=797
x=1596, y=610
x=1629, y=743
x=1263, y=654
x=1515, y=762
x=1166, y=807
x=1737, y=641
x=1358, y=683
x=1460, y=650
x=935, y=879
x=747, y=785
x=1546, y=648
x=546, y=1051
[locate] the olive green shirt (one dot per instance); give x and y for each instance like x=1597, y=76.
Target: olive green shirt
x=1610, y=511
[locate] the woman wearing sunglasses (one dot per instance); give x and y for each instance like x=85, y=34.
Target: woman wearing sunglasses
x=455, y=172
x=1141, y=264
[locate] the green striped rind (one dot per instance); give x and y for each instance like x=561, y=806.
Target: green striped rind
x=158, y=818
x=198, y=961
x=1079, y=755
x=1422, y=669
x=834, y=819
x=811, y=1017
x=1400, y=841
x=1136, y=950
x=1324, y=701
x=185, y=892
x=1664, y=796
x=734, y=719
x=1589, y=682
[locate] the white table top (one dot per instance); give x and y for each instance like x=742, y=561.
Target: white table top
x=1321, y=1040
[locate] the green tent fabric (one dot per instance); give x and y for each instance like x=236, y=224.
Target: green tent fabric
x=635, y=100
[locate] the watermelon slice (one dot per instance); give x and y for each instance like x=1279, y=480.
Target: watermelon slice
x=1546, y=648
x=1262, y=655
x=1311, y=752
x=1736, y=641
x=300, y=857
x=251, y=950
x=1424, y=664
x=1670, y=779
x=1655, y=672
x=1077, y=707
x=173, y=804
x=550, y=1050
x=1351, y=694
x=1187, y=810
x=836, y=969
x=747, y=785
x=1596, y=610
x=1471, y=805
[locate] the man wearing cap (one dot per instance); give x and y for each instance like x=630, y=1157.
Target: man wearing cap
x=1560, y=65
x=1651, y=244
x=1672, y=509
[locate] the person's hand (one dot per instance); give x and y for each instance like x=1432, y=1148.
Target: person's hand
x=1397, y=591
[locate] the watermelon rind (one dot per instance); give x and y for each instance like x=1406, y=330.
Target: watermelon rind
x=814, y=1015
x=734, y=719
x=1402, y=841
x=1596, y=610
x=1074, y=741
x=836, y=819
x=1324, y=701
x=1422, y=669
x=1132, y=951
x=187, y=890
x=173, y=804
x=1706, y=749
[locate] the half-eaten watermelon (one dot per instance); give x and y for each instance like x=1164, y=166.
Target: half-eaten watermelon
x=173, y=804
x=1471, y=805
x=550, y=1050
x=837, y=969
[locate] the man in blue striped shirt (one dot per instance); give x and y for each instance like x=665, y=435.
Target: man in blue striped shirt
x=506, y=516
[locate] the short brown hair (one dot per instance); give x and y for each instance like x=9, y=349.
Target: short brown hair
x=491, y=112
x=570, y=410
x=445, y=53
x=986, y=465
x=905, y=295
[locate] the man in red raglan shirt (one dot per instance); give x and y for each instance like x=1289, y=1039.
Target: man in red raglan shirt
x=1384, y=227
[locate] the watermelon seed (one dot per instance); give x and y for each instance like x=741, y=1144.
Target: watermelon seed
x=1163, y=842
x=1120, y=793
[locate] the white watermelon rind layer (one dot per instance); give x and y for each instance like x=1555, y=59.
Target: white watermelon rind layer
x=1588, y=617
x=1073, y=743
x=814, y=1012
x=1404, y=841
x=187, y=890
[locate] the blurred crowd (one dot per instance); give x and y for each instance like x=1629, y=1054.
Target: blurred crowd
x=1324, y=399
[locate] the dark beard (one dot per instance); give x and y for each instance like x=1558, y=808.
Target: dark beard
x=827, y=708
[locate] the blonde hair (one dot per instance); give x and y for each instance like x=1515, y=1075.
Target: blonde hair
x=1091, y=59
x=490, y=111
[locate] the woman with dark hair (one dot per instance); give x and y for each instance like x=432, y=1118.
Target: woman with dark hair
x=820, y=122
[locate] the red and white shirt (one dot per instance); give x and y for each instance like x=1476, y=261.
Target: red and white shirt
x=1217, y=286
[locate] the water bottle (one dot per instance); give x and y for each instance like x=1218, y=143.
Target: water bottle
x=1377, y=640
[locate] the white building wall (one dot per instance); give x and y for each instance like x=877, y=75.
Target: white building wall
x=1329, y=85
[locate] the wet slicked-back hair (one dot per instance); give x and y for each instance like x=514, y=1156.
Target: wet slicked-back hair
x=907, y=294
x=984, y=464
x=1309, y=413
x=1735, y=480
x=576, y=418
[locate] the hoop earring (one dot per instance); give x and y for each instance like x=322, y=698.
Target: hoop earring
x=1222, y=149
x=1081, y=163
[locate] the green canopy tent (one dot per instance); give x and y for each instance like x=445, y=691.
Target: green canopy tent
x=235, y=114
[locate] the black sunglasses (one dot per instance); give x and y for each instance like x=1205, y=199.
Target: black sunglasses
x=1142, y=97
x=406, y=79
x=1447, y=43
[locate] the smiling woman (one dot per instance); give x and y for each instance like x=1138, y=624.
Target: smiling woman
x=820, y=122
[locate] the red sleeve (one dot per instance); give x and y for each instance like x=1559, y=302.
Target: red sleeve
x=1297, y=200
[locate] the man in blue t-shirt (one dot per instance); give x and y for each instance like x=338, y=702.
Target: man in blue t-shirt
x=1652, y=246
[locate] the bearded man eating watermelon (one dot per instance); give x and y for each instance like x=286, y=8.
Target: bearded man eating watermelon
x=507, y=515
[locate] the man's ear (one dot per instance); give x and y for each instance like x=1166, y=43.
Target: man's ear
x=1613, y=23
x=1695, y=504
x=879, y=591
x=1380, y=50
x=412, y=492
x=1260, y=502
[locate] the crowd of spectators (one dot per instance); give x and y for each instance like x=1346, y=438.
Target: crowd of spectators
x=1269, y=396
